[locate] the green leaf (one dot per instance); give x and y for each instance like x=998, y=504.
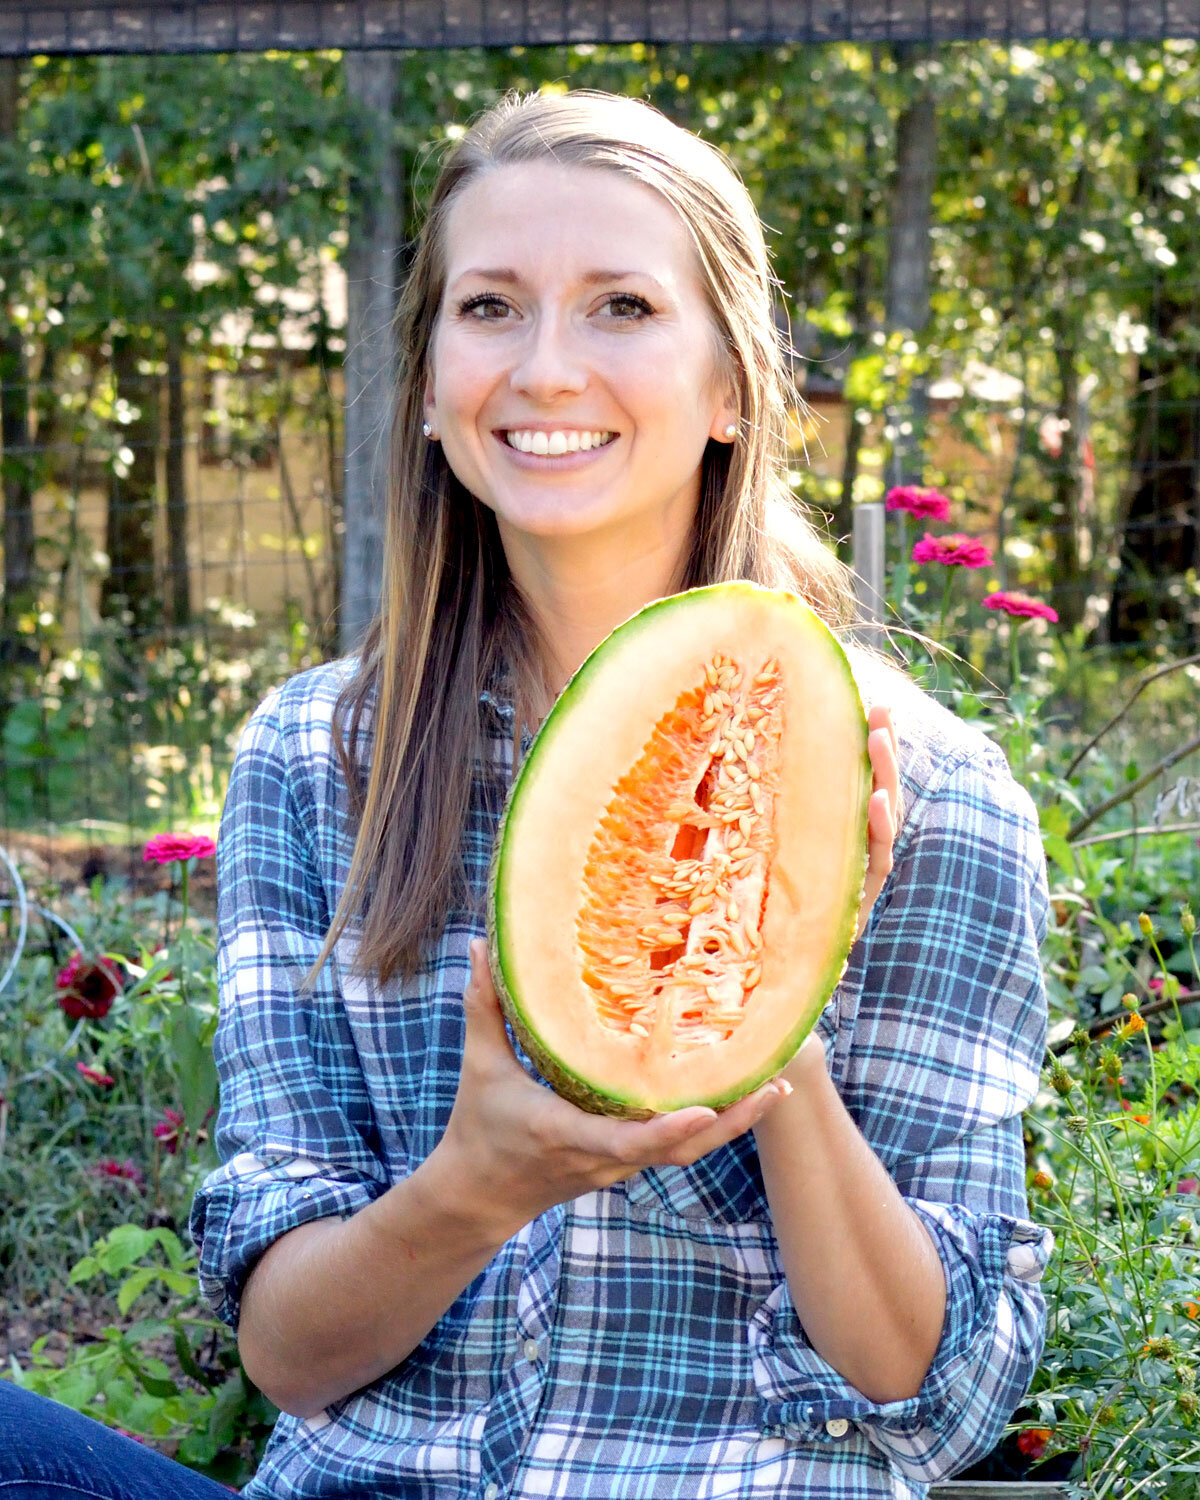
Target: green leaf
x=123, y=1246
x=1060, y=851
x=195, y=1071
x=83, y=1269
x=133, y=1286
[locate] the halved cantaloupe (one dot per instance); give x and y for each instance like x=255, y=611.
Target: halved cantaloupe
x=677, y=877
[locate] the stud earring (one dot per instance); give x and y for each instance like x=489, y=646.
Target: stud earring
x=731, y=431
x=427, y=429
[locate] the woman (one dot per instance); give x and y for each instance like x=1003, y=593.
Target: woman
x=451, y=1281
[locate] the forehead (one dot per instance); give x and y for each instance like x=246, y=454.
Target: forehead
x=545, y=219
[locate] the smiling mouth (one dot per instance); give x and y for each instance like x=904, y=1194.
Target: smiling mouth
x=555, y=444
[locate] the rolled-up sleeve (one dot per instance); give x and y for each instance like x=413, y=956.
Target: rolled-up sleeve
x=940, y=1040
x=294, y=1131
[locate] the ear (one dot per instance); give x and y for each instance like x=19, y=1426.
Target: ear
x=725, y=427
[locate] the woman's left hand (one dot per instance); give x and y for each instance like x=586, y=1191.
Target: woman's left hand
x=882, y=810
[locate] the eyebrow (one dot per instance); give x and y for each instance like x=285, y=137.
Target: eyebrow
x=506, y=275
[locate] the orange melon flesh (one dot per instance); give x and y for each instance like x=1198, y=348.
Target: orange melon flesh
x=679, y=870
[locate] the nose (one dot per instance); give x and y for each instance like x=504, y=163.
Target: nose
x=549, y=363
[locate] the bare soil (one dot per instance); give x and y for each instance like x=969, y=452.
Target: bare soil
x=72, y=864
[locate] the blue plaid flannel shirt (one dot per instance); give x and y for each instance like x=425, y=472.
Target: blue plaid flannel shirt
x=638, y=1343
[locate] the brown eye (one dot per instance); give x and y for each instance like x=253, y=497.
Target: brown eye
x=626, y=305
x=492, y=304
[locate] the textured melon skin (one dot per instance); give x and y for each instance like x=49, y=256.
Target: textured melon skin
x=570, y=1085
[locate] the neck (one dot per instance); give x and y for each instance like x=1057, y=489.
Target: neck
x=581, y=588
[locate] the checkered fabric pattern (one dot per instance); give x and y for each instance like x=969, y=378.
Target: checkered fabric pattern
x=638, y=1343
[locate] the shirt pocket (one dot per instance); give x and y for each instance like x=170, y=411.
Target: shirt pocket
x=724, y=1187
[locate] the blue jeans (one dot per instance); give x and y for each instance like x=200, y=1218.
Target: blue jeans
x=49, y=1452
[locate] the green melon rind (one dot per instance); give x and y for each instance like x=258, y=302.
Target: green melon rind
x=563, y=1080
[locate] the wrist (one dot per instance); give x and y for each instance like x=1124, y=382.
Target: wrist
x=451, y=1196
x=811, y=1085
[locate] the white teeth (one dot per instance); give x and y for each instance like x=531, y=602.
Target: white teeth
x=552, y=444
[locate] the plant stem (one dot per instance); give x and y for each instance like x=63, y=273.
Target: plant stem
x=945, y=603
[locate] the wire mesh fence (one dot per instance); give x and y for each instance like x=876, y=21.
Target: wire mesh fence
x=240, y=25
x=171, y=365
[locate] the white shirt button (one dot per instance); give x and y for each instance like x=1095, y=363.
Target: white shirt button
x=837, y=1427
x=530, y=1350
x=492, y=1491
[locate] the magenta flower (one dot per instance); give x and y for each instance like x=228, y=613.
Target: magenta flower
x=167, y=1131
x=1187, y=1185
x=1022, y=605
x=94, y=1075
x=171, y=848
x=952, y=551
x=928, y=505
x=125, y=1171
x=87, y=987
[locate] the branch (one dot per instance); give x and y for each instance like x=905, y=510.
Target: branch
x=1133, y=788
x=1106, y=1023
x=1185, y=661
x=1128, y=833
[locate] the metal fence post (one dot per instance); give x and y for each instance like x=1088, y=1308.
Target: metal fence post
x=867, y=540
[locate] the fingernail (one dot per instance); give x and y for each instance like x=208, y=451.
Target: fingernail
x=782, y=1087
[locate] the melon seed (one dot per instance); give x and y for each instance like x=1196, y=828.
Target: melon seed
x=699, y=903
x=638, y=1030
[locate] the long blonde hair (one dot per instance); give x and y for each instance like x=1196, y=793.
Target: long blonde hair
x=408, y=724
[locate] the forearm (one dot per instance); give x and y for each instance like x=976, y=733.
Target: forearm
x=864, y=1275
x=337, y=1303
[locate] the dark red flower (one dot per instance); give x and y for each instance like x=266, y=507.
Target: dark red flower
x=929, y=505
x=1187, y=1185
x=94, y=1075
x=1032, y=1442
x=953, y=551
x=109, y=1166
x=172, y=848
x=87, y=987
x=167, y=1131
x=1022, y=605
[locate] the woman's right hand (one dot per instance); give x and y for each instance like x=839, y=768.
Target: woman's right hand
x=516, y=1148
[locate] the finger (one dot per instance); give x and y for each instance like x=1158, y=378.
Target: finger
x=732, y=1122
x=888, y=769
x=646, y=1142
x=881, y=823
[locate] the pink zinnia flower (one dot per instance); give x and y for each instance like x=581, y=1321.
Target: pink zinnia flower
x=1187, y=1185
x=1023, y=605
x=171, y=848
x=929, y=505
x=167, y=1130
x=126, y=1171
x=87, y=987
x=94, y=1075
x=952, y=551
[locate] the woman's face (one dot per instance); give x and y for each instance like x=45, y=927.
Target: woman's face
x=573, y=377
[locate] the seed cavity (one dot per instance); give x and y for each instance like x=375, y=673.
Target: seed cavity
x=681, y=860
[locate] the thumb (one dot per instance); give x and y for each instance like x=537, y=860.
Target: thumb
x=480, y=1003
